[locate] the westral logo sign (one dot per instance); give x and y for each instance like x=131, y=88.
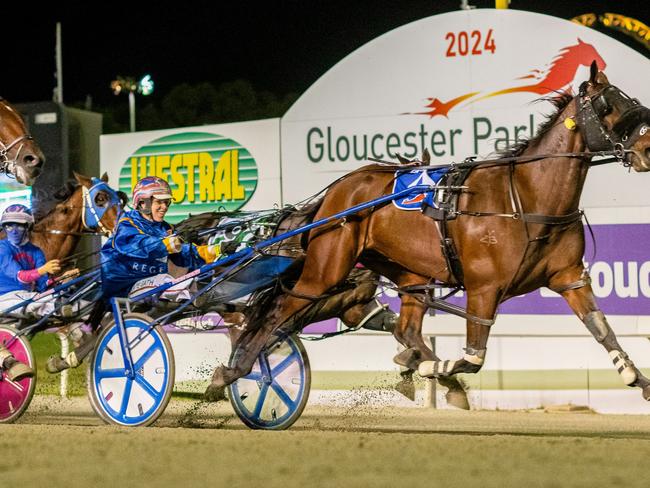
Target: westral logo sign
x=205, y=171
x=557, y=77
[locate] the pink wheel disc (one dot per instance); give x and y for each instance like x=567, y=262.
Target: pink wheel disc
x=14, y=394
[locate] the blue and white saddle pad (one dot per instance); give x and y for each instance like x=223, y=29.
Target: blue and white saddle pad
x=416, y=177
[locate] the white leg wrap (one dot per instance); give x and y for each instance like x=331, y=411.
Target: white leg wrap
x=71, y=359
x=624, y=366
x=474, y=359
x=429, y=369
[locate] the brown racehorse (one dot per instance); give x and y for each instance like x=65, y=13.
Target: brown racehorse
x=58, y=232
x=20, y=156
x=529, y=206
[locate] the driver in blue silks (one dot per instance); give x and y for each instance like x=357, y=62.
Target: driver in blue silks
x=23, y=273
x=135, y=257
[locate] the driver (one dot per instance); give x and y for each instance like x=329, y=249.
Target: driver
x=23, y=274
x=135, y=257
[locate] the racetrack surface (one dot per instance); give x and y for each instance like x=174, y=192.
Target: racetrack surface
x=62, y=443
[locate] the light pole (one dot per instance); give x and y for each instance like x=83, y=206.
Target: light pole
x=129, y=85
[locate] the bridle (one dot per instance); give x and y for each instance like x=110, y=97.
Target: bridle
x=92, y=212
x=7, y=165
x=633, y=123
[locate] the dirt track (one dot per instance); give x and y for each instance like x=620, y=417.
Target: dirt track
x=62, y=443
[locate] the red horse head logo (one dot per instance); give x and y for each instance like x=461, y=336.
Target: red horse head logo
x=555, y=78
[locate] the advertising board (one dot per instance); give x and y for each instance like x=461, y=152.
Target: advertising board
x=213, y=167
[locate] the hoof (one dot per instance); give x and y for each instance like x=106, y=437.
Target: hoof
x=407, y=388
x=457, y=394
x=457, y=398
x=646, y=393
x=56, y=364
x=408, y=358
x=223, y=376
x=215, y=393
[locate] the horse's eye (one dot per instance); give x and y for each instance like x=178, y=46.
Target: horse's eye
x=124, y=198
x=101, y=199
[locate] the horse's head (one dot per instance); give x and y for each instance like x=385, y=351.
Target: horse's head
x=611, y=121
x=20, y=156
x=101, y=204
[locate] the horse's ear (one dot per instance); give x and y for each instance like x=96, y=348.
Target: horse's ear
x=601, y=79
x=593, y=71
x=104, y=177
x=81, y=179
x=426, y=156
x=402, y=159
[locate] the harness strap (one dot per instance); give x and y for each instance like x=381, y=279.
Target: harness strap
x=441, y=304
x=552, y=219
x=573, y=286
x=311, y=298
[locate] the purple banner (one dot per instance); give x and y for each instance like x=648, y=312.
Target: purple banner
x=620, y=273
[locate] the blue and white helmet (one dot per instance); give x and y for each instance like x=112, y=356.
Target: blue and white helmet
x=17, y=214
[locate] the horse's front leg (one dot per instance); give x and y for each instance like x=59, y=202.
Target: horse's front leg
x=583, y=303
x=481, y=306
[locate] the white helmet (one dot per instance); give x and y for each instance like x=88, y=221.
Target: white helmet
x=17, y=214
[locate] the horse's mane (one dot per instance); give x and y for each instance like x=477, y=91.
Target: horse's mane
x=46, y=207
x=560, y=102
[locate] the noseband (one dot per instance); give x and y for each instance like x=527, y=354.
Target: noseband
x=633, y=123
x=8, y=166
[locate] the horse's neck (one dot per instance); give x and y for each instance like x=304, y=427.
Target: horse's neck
x=553, y=185
x=65, y=218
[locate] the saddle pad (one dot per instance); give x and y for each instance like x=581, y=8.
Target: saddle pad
x=409, y=179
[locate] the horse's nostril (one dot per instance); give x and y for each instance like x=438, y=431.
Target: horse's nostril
x=32, y=160
x=647, y=153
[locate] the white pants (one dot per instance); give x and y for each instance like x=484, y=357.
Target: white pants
x=38, y=308
x=177, y=293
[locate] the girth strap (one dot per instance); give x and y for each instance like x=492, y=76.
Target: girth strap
x=552, y=219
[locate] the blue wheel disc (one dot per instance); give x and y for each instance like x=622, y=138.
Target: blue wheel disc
x=275, y=392
x=132, y=399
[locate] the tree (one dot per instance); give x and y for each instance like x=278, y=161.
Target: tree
x=200, y=104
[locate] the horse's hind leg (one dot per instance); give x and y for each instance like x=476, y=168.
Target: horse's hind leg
x=329, y=260
x=409, y=333
x=582, y=302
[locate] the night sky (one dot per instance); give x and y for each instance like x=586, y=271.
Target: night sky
x=281, y=46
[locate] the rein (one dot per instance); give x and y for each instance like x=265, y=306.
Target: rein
x=618, y=155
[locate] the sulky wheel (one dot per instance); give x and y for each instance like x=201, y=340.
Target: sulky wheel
x=15, y=396
x=273, y=395
x=135, y=398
